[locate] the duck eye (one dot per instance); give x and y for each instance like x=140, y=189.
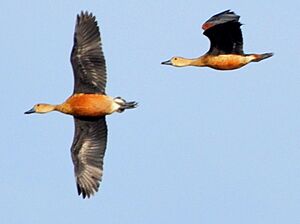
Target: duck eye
x=175, y=59
x=38, y=105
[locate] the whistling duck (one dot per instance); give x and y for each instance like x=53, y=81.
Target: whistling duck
x=226, y=45
x=89, y=104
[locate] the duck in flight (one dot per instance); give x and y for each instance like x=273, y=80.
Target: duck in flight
x=226, y=45
x=89, y=105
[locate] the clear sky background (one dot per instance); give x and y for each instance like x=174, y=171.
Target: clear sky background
x=204, y=146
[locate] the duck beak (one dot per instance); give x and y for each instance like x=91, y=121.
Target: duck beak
x=30, y=111
x=167, y=62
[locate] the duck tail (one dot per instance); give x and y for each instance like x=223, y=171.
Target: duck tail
x=259, y=57
x=124, y=104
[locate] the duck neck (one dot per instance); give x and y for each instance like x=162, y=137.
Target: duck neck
x=188, y=61
x=51, y=107
x=63, y=108
x=199, y=62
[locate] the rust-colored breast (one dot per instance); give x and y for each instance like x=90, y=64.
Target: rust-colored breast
x=91, y=105
x=226, y=61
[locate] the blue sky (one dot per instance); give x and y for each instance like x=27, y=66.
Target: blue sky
x=204, y=146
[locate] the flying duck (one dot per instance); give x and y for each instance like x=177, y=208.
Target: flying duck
x=226, y=45
x=88, y=104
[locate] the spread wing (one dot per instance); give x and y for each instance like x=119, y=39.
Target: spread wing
x=87, y=58
x=87, y=151
x=224, y=33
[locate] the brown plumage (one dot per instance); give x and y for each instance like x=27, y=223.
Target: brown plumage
x=89, y=105
x=226, y=45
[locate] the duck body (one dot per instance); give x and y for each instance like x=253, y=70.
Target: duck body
x=227, y=61
x=224, y=61
x=89, y=105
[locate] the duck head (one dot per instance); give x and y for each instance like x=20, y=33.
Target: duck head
x=177, y=62
x=41, y=108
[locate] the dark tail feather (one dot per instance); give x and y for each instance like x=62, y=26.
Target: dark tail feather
x=129, y=105
x=125, y=105
x=260, y=57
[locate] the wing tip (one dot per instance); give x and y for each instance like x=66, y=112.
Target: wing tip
x=87, y=193
x=84, y=16
x=221, y=18
x=87, y=187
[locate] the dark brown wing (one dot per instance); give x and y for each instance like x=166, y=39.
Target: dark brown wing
x=224, y=33
x=87, y=151
x=87, y=57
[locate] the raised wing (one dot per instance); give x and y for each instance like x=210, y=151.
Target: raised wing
x=224, y=33
x=87, y=58
x=88, y=151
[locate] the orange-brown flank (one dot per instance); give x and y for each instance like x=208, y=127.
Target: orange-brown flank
x=87, y=105
x=225, y=61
